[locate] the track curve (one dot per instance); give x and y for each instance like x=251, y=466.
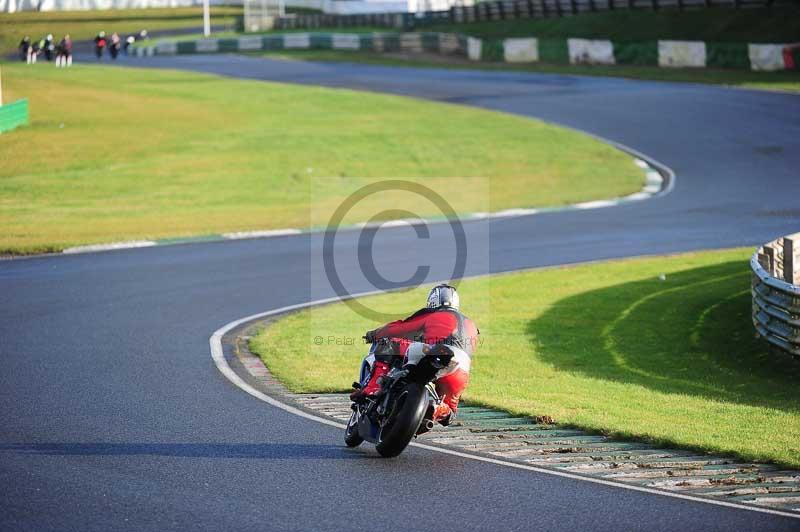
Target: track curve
x=113, y=414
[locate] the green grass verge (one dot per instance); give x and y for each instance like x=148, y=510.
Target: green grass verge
x=114, y=154
x=714, y=24
x=607, y=347
x=83, y=25
x=775, y=81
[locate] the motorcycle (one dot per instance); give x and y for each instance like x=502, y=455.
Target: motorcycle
x=404, y=406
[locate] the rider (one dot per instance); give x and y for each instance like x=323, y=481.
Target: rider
x=439, y=323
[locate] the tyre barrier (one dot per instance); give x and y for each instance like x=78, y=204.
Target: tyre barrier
x=668, y=54
x=776, y=293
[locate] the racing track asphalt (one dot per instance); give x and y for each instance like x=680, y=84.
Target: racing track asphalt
x=114, y=417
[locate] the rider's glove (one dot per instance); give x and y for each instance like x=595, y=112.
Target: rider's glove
x=386, y=347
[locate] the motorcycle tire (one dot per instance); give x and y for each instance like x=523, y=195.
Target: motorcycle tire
x=409, y=411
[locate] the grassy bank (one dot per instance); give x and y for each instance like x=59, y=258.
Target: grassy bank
x=82, y=25
x=714, y=24
x=780, y=81
x=607, y=347
x=155, y=154
x=779, y=25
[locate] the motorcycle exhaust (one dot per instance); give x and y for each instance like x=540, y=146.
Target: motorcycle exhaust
x=429, y=424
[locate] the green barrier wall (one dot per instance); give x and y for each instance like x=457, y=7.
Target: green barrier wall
x=391, y=42
x=13, y=115
x=553, y=51
x=186, y=47
x=228, y=45
x=321, y=41
x=430, y=42
x=272, y=42
x=795, y=56
x=727, y=55
x=366, y=41
x=636, y=53
x=492, y=50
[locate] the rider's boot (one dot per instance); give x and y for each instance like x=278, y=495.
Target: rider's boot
x=379, y=369
x=443, y=414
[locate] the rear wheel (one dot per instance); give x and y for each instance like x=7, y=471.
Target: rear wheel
x=409, y=410
x=351, y=435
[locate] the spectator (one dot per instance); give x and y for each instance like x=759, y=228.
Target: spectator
x=48, y=46
x=143, y=35
x=64, y=52
x=113, y=47
x=128, y=42
x=33, y=52
x=100, y=44
x=25, y=49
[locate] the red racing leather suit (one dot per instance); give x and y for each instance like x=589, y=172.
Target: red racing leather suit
x=432, y=326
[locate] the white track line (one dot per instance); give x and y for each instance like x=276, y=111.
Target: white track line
x=112, y=246
x=218, y=355
x=267, y=233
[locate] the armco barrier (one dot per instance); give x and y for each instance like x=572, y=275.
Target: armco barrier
x=681, y=54
x=776, y=293
x=13, y=115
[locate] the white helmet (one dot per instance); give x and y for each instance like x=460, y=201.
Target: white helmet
x=443, y=295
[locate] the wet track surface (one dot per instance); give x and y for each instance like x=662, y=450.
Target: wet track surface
x=114, y=416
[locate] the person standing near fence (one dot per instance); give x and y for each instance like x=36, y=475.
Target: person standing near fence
x=25, y=48
x=33, y=52
x=100, y=44
x=28, y=50
x=128, y=42
x=113, y=47
x=64, y=52
x=48, y=47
